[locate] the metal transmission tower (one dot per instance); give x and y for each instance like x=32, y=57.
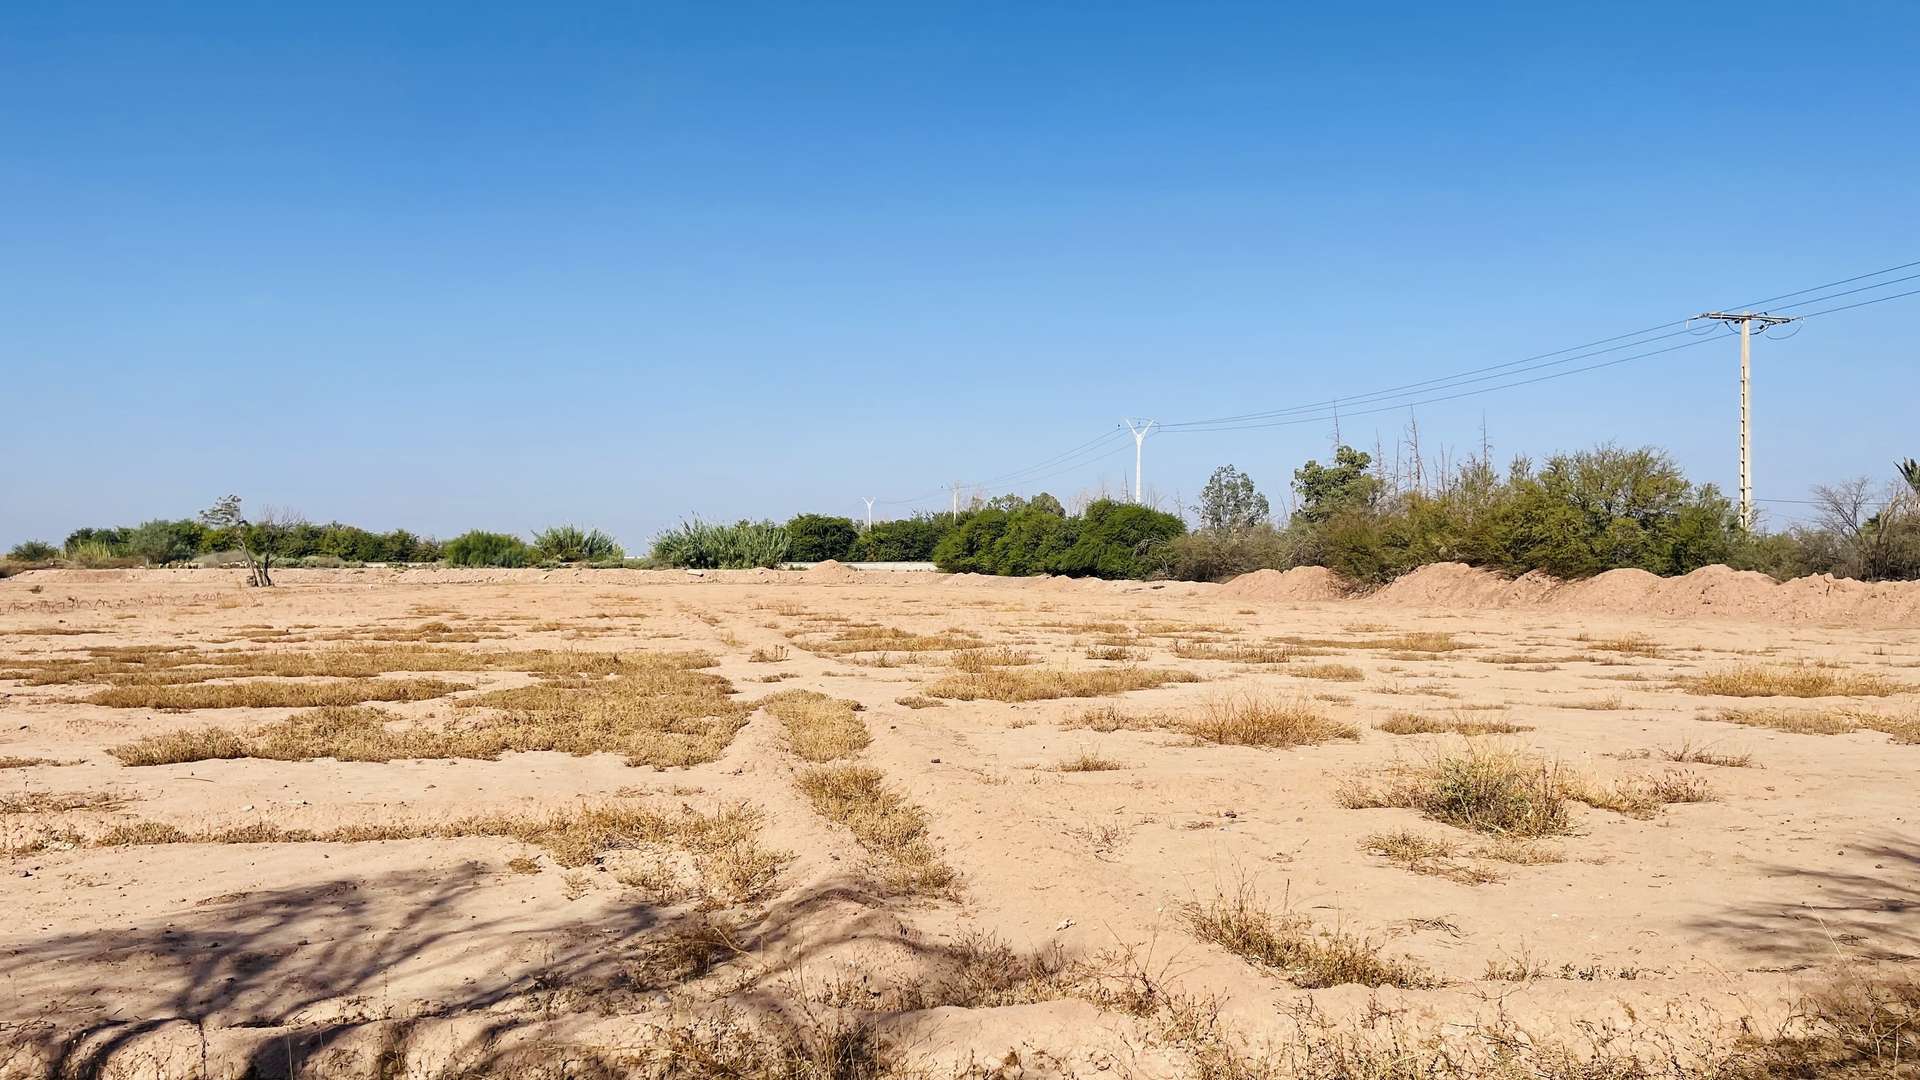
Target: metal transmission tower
x=1139, y=438
x=1746, y=319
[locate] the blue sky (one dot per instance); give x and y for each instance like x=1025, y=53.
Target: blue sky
x=444, y=266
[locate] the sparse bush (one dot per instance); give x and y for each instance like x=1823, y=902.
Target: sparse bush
x=33, y=551
x=569, y=543
x=744, y=545
x=480, y=548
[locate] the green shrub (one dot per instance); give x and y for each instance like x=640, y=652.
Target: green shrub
x=96, y=555
x=817, y=537
x=902, y=540
x=480, y=548
x=1118, y=540
x=112, y=540
x=33, y=551
x=743, y=545
x=569, y=543
x=1110, y=540
x=161, y=542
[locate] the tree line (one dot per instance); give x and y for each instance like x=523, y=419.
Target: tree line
x=1573, y=515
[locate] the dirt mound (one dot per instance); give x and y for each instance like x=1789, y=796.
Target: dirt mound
x=1451, y=584
x=831, y=570
x=1708, y=591
x=1299, y=583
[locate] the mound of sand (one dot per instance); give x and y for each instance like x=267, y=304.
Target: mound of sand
x=1708, y=591
x=1450, y=585
x=831, y=570
x=1299, y=583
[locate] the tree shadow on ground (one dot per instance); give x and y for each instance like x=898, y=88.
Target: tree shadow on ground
x=1823, y=914
x=308, y=966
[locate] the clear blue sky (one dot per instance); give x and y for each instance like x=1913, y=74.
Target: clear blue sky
x=503, y=265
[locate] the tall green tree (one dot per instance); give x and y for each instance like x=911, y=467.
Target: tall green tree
x=1343, y=487
x=1230, y=502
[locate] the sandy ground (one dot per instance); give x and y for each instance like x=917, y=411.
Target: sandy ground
x=216, y=959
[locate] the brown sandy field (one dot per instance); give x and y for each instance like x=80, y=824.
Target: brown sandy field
x=846, y=824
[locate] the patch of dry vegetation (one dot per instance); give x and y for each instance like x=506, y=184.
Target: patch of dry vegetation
x=1329, y=672
x=862, y=639
x=60, y=802
x=1505, y=792
x=919, y=701
x=26, y=762
x=1430, y=855
x=1800, y=680
x=265, y=694
x=1048, y=683
x=1088, y=761
x=1488, y=789
x=1245, y=654
x=158, y=665
x=1841, y=721
x=891, y=829
x=975, y=661
x=819, y=728
x=1246, y=720
x=1290, y=944
x=1426, y=641
x=667, y=717
x=1106, y=718
x=724, y=845
x=1410, y=723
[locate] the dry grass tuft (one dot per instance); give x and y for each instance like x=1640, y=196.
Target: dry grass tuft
x=1252, y=721
x=1429, y=855
x=919, y=701
x=1290, y=944
x=775, y=655
x=1106, y=718
x=889, y=826
x=1409, y=723
x=986, y=659
x=1488, y=789
x=1329, y=672
x=26, y=762
x=819, y=728
x=1801, y=680
x=1115, y=652
x=1048, y=683
x=1088, y=761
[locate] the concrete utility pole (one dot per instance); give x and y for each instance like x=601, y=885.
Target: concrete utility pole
x=868, y=499
x=1746, y=319
x=1139, y=437
x=956, y=498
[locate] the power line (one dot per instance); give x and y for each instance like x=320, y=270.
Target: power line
x=1541, y=361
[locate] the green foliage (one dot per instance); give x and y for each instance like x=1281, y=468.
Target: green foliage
x=113, y=540
x=743, y=545
x=902, y=540
x=1230, y=502
x=569, y=543
x=33, y=551
x=1113, y=540
x=481, y=548
x=817, y=537
x=161, y=542
x=1344, y=487
x=1579, y=515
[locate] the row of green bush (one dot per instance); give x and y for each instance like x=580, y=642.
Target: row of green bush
x=1577, y=515
x=163, y=542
